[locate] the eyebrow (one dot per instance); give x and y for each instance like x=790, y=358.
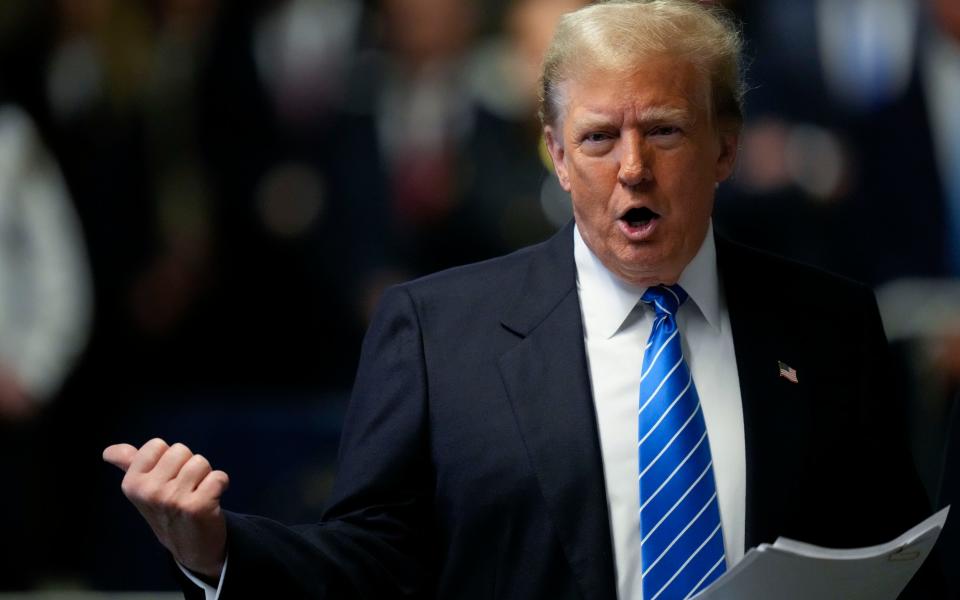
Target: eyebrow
x=663, y=113
x=650, y=114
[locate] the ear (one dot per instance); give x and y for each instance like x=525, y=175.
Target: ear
x=727, y=159
x=554, y=141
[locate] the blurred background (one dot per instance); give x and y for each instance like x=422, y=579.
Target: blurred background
x=201, y=201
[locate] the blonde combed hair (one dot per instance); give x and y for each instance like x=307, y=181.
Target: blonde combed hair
x=617, y=35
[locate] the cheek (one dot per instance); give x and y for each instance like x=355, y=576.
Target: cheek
x=691, y=182
x=593, y=178
x=590, y=209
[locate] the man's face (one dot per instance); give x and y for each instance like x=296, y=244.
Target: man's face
x=641, y=157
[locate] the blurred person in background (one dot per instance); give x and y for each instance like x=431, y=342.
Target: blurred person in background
x=295, y=189
x=411, y=86
x=516, y=197
x=121, y=83
x=457, y=146
x=829, y=71
x=936, y=373
x=114, y=88
x=45, y=314
x=196, y=137
x=851, y=161
x=422, y=115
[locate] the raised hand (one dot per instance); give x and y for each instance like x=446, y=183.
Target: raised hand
x=178, y=493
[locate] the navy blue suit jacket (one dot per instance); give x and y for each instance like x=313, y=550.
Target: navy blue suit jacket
x=470, y=464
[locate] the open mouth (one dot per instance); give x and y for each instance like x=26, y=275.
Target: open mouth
x=639, y=217
x=639, y=224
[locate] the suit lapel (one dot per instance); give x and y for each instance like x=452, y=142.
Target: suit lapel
x=545, y=376
x=774, y=410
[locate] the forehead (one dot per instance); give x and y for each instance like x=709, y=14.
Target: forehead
x=658, y=87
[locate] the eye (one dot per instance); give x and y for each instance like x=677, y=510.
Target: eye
x=665, y=130
x=666, y=136
x=596, y=137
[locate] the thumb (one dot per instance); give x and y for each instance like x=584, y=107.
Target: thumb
x=120, y=455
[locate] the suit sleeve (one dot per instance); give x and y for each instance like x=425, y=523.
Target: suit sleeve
x=373, y=539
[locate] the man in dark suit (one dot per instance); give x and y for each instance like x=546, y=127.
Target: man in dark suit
x=491, y=446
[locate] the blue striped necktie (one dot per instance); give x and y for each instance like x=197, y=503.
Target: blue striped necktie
x=681, y=541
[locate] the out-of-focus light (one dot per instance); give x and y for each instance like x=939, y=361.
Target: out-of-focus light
x=815, y=160
x=762, y=164
x=291, y=199
x=301, y=50
x=867, y=48
x=74, y=79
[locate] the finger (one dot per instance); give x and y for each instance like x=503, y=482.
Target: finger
x=192, y=473
x=120, y=455
x=169, y=465
x=214, y=485
x=148, y=455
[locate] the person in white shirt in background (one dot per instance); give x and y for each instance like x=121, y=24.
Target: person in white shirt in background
x=45, y=290
x=45, y=319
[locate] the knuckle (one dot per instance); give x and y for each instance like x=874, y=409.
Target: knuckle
x=129, y=487
x=155, y=443
x=201, y=462
x=180, y=447
x=219, y=481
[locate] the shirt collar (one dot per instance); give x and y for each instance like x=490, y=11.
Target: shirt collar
x=607, y=301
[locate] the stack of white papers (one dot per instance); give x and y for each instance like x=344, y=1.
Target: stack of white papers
x=791, y=570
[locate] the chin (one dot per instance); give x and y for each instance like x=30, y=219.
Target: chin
x=645, y=269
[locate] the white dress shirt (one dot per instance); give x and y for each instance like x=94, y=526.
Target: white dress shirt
x=616, y=330
x=616, y=327
x=209, y=592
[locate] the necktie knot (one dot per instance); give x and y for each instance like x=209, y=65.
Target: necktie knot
x=664, y=299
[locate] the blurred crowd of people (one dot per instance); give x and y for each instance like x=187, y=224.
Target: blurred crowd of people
x=204, y=199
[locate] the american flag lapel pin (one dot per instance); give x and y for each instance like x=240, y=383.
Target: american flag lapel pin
x=787, y=372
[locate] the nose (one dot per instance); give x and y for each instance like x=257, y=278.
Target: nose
x=634, y=168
